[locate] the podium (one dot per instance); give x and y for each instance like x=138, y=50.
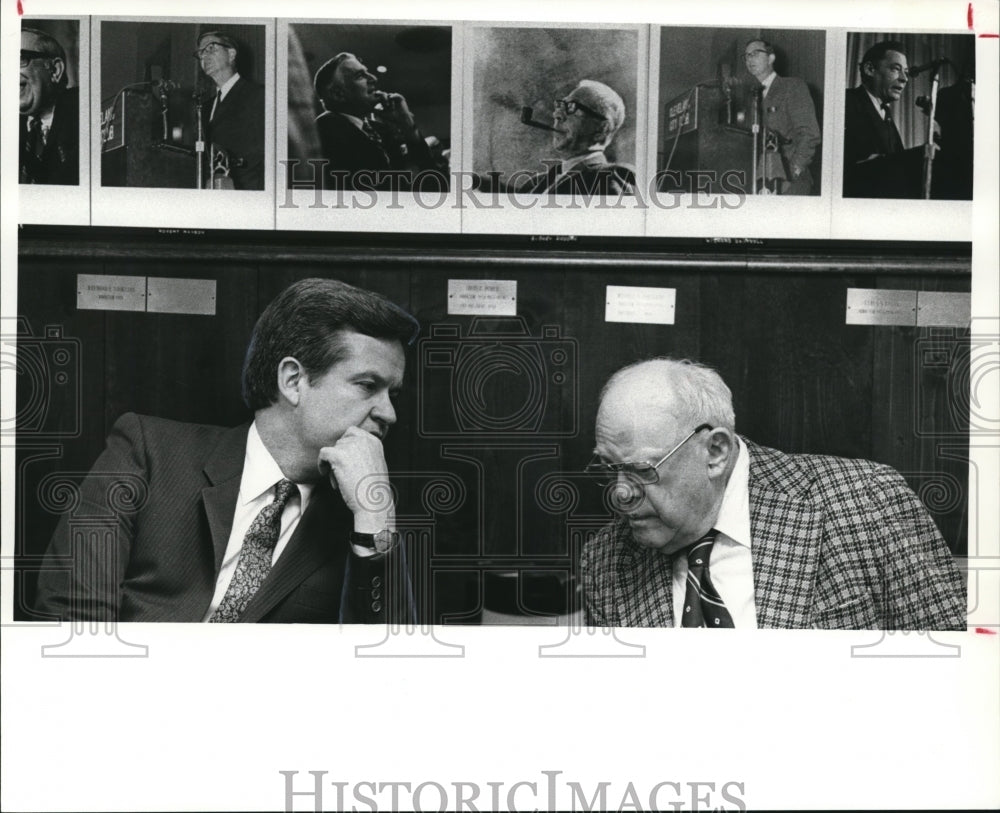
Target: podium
x=133, y=151
x=703, y=130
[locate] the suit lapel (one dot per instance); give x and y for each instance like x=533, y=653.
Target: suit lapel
x=876, y=122
x=320, y=535
x=224, y=471
x=786, y=529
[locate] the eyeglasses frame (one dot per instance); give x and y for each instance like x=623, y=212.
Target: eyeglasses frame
x=620, y=468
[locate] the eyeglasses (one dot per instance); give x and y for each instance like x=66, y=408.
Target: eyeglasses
x=570, y=106
x=641, y=471
x=749, y=54
x=209, y=48
x=27, y=56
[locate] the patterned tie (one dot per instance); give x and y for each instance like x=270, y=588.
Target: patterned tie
x=703, y=606
x=255, y=555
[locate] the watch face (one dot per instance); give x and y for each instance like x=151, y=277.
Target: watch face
x=384, y=540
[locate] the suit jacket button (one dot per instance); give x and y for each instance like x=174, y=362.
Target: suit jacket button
x=376, y=581
x=376, y=606
x=376, y=594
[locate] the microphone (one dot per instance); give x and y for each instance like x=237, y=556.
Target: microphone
x=527, y=113
x=928, y=66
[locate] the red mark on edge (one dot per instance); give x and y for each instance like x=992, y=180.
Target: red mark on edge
x=968, y=16
x=984, y=631
x=20, y=9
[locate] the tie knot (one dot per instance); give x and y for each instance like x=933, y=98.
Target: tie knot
x=283, y=491
x=886, y=111
x=700, y=551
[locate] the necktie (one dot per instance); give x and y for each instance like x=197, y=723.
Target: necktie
x=895, y=142
x=36, y=141
x=215, y=104
x=255, y=555
x=703, y=606
x=368, y=130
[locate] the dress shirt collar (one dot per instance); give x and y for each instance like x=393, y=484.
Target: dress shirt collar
x=224, y=90
x=766, y=83
x=45, y=119
x=261, y=472
x=878, y=104
x=734, y=514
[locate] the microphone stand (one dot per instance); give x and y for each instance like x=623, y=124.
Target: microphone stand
x=199, y=142
x=755, y=129
x=929, y=146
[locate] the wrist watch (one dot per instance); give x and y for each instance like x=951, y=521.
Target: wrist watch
x=381, y=542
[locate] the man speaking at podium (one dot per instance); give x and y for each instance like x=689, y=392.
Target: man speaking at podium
x=234, y=116
x=789, y=119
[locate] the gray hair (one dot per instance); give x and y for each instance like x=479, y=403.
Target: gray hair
x=694, y=393
x=609, y=103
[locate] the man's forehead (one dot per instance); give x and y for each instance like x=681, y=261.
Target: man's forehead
x=350, y=65
x=29, y=41
x=754, y=45
x=894, y=58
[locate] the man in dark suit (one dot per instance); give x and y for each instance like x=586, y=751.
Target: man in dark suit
x=876, y=164
x=584, y=124
x=49, y=123
x=287, y=519
x=717, y=531
x=234, y=116
x=788, y=117
x=369, y=138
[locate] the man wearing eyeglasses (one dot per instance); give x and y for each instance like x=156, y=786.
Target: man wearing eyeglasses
x=717, y=531
x=584, y=125
x=234, y=115
x=49, y=123
x=788, y=117
x=876, y=163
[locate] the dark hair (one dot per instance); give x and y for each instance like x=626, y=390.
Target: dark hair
x=324, y=76
x=877, y=53
x=767, y=46
x=51, y=47
x=304, y=320
x=218, y=36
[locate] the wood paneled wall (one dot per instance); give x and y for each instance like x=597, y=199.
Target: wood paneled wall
x=802, y=380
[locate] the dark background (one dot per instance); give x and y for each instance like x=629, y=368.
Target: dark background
x=417, y=62
x=693, y=55
x=133, y=53
x=769, y=317
x=67, y=33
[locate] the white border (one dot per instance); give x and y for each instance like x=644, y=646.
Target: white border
x=756, y=216
x=372, y=211
x=183, y=208
x=39, y=202
x=792, y=714
x=552, y=214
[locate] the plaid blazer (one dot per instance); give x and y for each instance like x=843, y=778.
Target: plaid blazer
x=836, y=544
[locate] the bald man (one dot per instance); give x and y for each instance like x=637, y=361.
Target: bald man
x=50, y=109
x=584, y=125
x=717, y=531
